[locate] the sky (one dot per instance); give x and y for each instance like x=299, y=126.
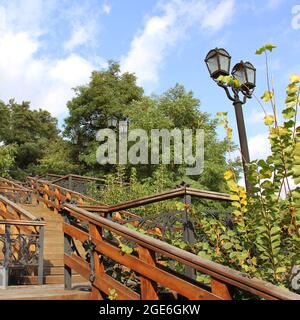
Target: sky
x=48, y=47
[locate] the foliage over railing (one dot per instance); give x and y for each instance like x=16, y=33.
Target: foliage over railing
x=135, y=266
x=268, y=220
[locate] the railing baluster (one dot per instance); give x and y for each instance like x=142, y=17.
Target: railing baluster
x=41, y=256
x=96, y=232
x=188, y=232
x=6, y=263
x=220, y=289
x=68, y=251
x=148, y=287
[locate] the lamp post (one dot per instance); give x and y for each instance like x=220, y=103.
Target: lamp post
x=218, y=64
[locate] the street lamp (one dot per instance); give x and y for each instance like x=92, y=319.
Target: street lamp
x=218, y=64
x=112, y=122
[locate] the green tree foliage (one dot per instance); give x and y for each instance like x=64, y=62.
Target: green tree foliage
x=7, y=159
x=109, y=93
x=57, y=158
x=177, y=108
x=29, y=130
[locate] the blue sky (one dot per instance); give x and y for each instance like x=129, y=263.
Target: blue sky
x=49, y=46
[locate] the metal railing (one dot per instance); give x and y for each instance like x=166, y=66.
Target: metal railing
x=21, y=241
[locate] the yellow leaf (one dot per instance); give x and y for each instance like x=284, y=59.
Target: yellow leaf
x=234, y=197
x=233, y=186
x=254, y=261
x=229, y=133
x=228, y=175
x=269, y=120
x=294, y=78
x=267, y=96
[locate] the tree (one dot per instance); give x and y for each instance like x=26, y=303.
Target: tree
x=177, y=108
x=109, y=93
x=29, y=130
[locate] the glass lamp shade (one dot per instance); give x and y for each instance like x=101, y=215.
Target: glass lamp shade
x=112, y=122
x=250, y=75
x=218, y=62
x=245, y=73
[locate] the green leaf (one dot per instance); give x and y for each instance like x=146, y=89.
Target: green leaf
x=270, y=47
x=289, y=113
x=227, y=246
x=281, y=270
x=262, y=49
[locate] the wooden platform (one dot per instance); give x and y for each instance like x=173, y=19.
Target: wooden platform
x=45, y=292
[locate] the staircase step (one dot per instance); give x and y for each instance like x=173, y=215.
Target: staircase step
x=50, y=279
x=45, y=292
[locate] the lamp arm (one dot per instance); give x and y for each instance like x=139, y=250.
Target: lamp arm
x=229, y=96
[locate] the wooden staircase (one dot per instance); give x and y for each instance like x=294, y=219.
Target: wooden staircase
x=86, y=225
x=53, y=248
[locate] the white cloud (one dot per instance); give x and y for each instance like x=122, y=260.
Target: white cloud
x=106, y=8
x=151, y=45
x=46, y=83
x=79, y=37
x=256, y=117
x=219, y=16
x=25, y=74
x=259, y=146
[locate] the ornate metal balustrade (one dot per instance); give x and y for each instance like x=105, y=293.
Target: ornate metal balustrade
x=22, y=252
x=21, y=242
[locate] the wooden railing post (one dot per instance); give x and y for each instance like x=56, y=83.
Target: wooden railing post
x=188, y=232
x=96, y=232
x=41, y=256
x=68, y=251
x=148, y=287
x=70, y=183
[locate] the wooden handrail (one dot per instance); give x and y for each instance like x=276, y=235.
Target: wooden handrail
x=18, y=209
x=55, y=186
x=23, y=223
x=14, y=184
x=221, y=273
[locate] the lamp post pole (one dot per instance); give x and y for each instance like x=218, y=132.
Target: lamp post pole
x=243, y=139
x=218, y=64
